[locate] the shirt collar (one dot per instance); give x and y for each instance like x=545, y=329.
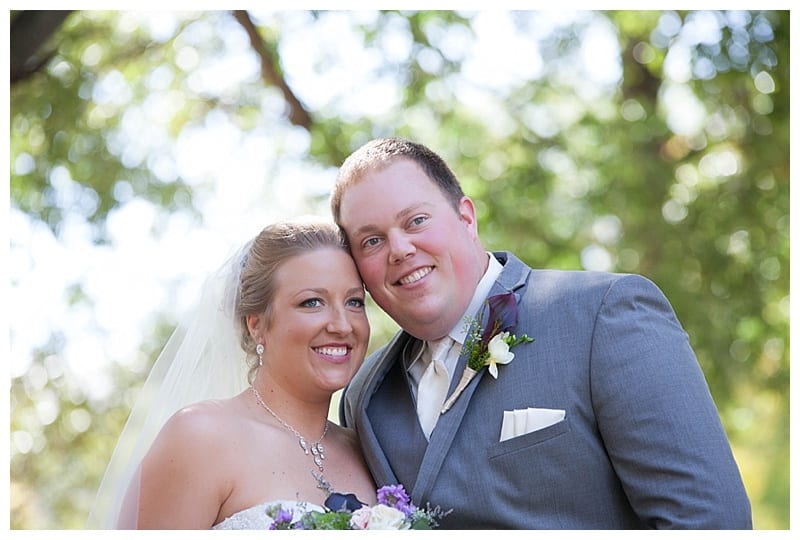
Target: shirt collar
x=459, y=331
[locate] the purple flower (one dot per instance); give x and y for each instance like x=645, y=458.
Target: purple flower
x=503, y=315
x=281, y=518
x=396, y=497
x=503, y=318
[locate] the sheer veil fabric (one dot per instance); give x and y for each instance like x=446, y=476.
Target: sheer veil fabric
x=203, y=359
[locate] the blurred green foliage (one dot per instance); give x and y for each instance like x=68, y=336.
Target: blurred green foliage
x=566, y=174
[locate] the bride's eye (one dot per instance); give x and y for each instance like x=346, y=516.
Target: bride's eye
x=356, y=302
x=311, y=303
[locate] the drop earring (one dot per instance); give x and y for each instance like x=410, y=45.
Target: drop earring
x=259, y=352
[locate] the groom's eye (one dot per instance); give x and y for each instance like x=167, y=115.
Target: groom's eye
x=370, y=242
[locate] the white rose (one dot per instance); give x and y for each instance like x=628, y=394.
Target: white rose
x=386, y=518
x=499, y=353
x=359, y=519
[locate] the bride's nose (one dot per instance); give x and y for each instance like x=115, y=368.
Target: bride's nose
x=339, y=322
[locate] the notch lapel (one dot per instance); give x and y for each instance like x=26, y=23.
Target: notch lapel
x=387, y=422
x=513, y=278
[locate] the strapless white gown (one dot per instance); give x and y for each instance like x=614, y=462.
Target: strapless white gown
x=256, y=516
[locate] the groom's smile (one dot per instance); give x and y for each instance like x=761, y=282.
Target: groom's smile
x=415, y=276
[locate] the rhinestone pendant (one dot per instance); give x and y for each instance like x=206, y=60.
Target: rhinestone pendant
x=318, y=450
x=318, y=463
x=304, y=445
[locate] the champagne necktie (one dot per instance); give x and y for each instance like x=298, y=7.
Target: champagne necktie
x=433, y=385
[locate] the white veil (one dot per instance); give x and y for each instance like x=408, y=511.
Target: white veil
x=201, y=360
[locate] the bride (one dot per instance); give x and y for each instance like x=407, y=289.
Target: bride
x=295, y=302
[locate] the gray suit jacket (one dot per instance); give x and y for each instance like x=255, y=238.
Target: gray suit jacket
x=641, y=444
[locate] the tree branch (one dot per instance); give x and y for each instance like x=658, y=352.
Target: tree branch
x=29, y=31
x=270, y=72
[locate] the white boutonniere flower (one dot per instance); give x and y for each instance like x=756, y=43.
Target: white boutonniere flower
x=499, y=352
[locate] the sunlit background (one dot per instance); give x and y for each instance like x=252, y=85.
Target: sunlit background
x=149, y=145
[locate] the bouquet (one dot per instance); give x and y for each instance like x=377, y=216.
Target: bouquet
x=394, y=511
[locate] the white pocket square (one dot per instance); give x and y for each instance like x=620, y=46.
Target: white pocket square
x=521, y=421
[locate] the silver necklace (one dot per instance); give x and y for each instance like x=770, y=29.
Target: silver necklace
x=315, y=449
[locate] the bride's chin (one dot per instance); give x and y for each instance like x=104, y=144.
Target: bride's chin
x=335, y=383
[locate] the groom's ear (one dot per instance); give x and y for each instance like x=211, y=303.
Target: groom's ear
x=469, y=215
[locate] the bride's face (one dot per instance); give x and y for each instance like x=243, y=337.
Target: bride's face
x=318, y=332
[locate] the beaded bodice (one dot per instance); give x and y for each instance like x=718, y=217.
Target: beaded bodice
x=256, y=516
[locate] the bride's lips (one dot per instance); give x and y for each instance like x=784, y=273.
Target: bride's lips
x=416, y=275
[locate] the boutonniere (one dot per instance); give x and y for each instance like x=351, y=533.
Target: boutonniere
x=489, y=346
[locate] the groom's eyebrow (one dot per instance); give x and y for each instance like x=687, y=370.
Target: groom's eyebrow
x=405, y=212
x=365, y=229
x=399, y=216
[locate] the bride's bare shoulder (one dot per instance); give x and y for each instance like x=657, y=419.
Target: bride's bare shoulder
x=205, y=419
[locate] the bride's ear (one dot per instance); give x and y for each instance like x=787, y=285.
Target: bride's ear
x=254, y=326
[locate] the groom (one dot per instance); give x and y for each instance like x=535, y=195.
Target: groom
x=603, y=421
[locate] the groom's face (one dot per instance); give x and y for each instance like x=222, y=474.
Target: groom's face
x=419, y=258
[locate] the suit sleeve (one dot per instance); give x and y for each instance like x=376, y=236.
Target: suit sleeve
x=344, y=409
x=349, y=400
x=657, y=418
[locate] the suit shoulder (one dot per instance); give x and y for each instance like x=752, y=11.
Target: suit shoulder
x=587, y=278
x=573, y=279
x=568, y=279
x=582, y=285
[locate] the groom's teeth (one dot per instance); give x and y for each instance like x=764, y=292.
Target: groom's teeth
x=332, y=351
x=416, y=275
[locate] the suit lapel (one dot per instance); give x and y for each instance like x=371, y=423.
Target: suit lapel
x=513, y=277
x=396, y=428
x=374, y=454
x=388, y=422
x=442, y=438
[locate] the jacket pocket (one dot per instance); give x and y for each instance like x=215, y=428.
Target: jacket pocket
x=516, y=444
